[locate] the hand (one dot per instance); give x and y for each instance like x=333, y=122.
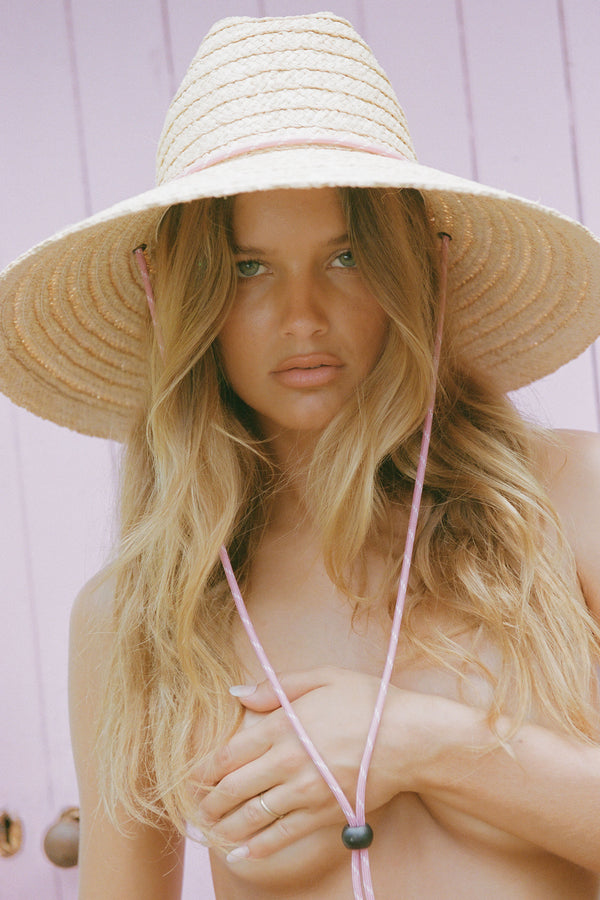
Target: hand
x=266, y=758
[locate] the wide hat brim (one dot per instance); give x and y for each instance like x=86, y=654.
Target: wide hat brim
x=523, y=286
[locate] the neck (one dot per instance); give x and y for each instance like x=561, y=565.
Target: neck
x=293, y=453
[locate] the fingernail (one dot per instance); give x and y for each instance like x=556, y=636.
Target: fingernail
x=242, y=690
x=237, y=854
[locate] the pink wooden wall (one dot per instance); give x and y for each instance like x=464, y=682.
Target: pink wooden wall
x=504, y=92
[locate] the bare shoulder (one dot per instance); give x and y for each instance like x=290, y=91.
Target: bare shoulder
x=90, y=649
x=91, y=620
x=138, y=861
x=570, y=467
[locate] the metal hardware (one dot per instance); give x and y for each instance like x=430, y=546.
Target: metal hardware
x=61, y=844
x=11, y=834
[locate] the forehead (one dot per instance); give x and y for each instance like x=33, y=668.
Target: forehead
x=273, y=216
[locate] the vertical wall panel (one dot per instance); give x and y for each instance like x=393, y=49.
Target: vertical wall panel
x=523, y=144
x=348, y=9
x=582, y=35
x=65, y=480
x=581, y=22
x=38, y=150
x=519, y=99
x=419, y=48
x=68, y=499
x=124, y=85
x=39, y=158
x=189, y=21
x=25, y=770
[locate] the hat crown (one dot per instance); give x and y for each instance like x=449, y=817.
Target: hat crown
x=269, y=81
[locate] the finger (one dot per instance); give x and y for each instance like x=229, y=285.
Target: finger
x=275, y=803
x=263, y=698
x=280, y=765
x=237, y=788
x=280, y=834
x=246, y=745
x=251, y=817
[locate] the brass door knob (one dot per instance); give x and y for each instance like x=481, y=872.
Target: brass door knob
x=61, y=844
x=11, y=834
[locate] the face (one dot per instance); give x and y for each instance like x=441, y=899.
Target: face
x=304, y=329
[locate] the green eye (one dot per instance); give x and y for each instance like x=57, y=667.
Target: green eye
x=247, y=268
x=345, y=260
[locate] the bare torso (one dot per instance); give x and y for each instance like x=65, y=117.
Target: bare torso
x=423, y=848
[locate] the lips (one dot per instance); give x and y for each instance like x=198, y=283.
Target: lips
x=309, y=371
x=309, y=361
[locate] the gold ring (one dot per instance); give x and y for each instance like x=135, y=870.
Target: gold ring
x=267, y=809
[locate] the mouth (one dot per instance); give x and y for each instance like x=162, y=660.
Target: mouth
x=308, y=363
x=311, y=371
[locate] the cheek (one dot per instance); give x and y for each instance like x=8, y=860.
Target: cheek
x=241, y=345
x=245, y=322
x=373, y=330
x=365, y=317
x=231, y=348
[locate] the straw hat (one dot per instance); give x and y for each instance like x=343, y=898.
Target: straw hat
x=294, y=102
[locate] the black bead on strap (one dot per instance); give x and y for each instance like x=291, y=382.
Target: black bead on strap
x=357, y=837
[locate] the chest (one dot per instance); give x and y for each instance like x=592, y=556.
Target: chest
x=303, y=621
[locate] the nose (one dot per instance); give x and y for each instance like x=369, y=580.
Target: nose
x=303, y=306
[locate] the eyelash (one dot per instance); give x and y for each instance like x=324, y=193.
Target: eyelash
x=245, y=262
x=345, y=253
x=246, y=277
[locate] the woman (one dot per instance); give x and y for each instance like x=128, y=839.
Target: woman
x=294, y=259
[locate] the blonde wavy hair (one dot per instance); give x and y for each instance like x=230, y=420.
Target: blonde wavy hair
x=197, y=475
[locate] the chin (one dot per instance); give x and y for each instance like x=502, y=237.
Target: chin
x=303, y=426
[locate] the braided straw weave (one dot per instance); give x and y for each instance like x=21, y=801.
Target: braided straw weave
x=295, y=102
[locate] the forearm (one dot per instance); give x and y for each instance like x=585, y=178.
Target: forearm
x=541, y=787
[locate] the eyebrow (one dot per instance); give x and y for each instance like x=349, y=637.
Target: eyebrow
x=263, y=251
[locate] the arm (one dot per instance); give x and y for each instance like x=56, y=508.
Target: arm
x=549, y=793
x=574, y=473
x=545, y=789
x=146, y=863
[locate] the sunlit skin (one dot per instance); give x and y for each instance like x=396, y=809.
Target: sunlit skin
x=300, y=300
x=303, y=333
x=447, y=823
x=304, y=330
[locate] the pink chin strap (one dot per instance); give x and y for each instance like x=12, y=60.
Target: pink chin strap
x=357, y=834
